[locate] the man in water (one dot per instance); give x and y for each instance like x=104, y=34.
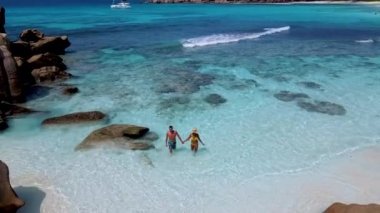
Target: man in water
x=171, y=136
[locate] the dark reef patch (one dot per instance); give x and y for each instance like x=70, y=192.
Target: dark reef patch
x=288, y=96
x=215, y=99
x=322, y=107
x=174, y=101
x=310, y=85
x=184, y=82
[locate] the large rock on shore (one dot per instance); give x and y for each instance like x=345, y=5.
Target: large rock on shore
x=2, y=20
x=46, y=59
x=13, y=109
x=24, y=72
x=31, y=35
x=74, y=118
x=3, y=123
x=9, y=201
x=39, y=43
x=4, y=40
x=52, y=44
x=12, y=87
x=120, y=135
x=353, y=208
x=49, y=73
x=21, y=49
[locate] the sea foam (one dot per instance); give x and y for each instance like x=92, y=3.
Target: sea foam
x=365, y=41
x=228, y=38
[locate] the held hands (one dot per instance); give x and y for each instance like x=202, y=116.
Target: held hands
x=184, y=141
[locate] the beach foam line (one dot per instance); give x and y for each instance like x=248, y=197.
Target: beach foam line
x=228, y=38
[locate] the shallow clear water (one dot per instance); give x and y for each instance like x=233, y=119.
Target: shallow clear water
x=124, y=63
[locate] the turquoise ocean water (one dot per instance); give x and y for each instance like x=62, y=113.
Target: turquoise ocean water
x=154, y=65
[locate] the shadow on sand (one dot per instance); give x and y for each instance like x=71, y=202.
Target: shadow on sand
x=33, y=198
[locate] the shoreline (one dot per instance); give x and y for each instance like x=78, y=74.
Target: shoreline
x=346, y=178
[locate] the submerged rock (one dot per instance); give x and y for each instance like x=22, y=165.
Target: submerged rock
x=120, y=135
x=215, y=99
x=322, y=107
x=9, y=201
x=353, y=208
x=70, y=90
x=74, y=118
x=310, y=85
x=289, y=96
x=174, y=101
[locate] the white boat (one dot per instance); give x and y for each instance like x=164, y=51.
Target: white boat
x=121, y=5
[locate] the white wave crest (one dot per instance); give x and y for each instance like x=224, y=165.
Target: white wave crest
x=228, y=38
x=365, y=41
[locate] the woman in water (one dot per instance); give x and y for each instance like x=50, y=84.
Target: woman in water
x=194, y=138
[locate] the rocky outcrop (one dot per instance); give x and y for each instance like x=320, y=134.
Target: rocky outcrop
x=3, y=123
x=2, y=19
x=40, y=43
x=49, y=74
x=13, y=109
x=28, y=61
x=31, y=35
x=120, y=135
x=74, y=118
x=10, y=77
x=50, y=44
x=4, y=40
x=20, y=49
x=9, y=201
x=353, y=208
x=46, y=59
x=24, y=72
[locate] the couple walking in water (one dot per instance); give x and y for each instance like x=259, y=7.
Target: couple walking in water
x=171, y=139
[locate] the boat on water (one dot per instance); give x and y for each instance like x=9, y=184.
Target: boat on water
x=121, y=5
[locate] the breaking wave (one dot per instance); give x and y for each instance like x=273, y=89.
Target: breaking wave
x=365, y=41
x=228, y=38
